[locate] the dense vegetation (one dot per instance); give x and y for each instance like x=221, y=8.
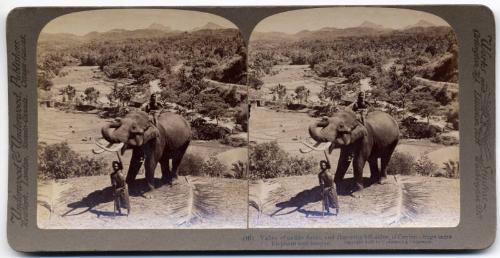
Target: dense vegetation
x=59, y=161
x=268, y=160
x=412, y=72
x=405, y=164
x=179, y=60
x=362, y=56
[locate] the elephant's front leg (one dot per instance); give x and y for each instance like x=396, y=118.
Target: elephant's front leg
x=135, y=165
x=358, y=165
x=150, y=167
x=343, y=164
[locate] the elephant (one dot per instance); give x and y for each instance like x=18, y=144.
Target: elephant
x=168, y=139
x=376, y=138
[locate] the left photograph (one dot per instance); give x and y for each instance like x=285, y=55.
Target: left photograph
x=142, y=121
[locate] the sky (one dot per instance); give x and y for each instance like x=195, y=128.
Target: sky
x=342, y=17
x=81, y=23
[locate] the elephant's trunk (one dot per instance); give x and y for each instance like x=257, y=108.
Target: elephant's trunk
x=107, y=132
x=317, y=134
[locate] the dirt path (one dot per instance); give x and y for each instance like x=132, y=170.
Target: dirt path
x=194, y=202
x=409, y=201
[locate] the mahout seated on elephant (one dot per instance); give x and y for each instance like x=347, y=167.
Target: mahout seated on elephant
x=151, y=143
x=376, y=138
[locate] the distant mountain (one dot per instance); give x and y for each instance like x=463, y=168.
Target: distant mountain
x=371, y=25
x=209, y=26
x=59, y=37
x=271, y=36
x=328, y=29
x=157, y=26
x=155, y=30
x=364, y=29
x=421, y=23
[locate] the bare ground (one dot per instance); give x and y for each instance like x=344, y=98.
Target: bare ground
x=407, y=201
x=193, y=202
x=82, y=77
x=292, y=76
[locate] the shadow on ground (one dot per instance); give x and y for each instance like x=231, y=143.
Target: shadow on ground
x=105, y=195
x=313, y=195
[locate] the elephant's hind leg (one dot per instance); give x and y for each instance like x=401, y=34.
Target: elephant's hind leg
x=165, y=168
x=177, y=159
x=385, y=159
x=374, y=172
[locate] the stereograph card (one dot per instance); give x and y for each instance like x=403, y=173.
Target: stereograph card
x=251, y=128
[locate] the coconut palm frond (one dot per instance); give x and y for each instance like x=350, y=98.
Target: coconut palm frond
x=404, y=204
x=197, y=202
x=45, y=205
x=264, y=193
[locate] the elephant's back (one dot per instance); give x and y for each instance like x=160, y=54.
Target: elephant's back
x=177, y=129
x=384, y=127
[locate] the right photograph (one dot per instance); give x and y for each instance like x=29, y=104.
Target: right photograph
x=354, y=120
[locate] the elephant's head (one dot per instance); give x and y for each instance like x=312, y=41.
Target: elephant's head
x=341, y=129
x=135, y=129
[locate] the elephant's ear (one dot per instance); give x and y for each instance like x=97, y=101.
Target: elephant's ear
x=356, y=133
x=151, y=133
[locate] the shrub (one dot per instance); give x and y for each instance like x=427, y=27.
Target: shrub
x=191, y=164
x=411, y=128
x=268, y=160
x=206, y=131
x=425, y=167
x=328, y=68
x=445, y=140
x=234, y=141
x=452, y=118
x=451, y=169
x=241, y=117
x=301, y=166
x=114, y=71
x=326, y=110
x=240, y=170
x=213, y=168
x=294, y=106
x=59, y=161
x=402, y=164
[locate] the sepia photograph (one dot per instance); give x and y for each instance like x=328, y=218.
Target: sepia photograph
x=353, y=120
x=142, y=121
